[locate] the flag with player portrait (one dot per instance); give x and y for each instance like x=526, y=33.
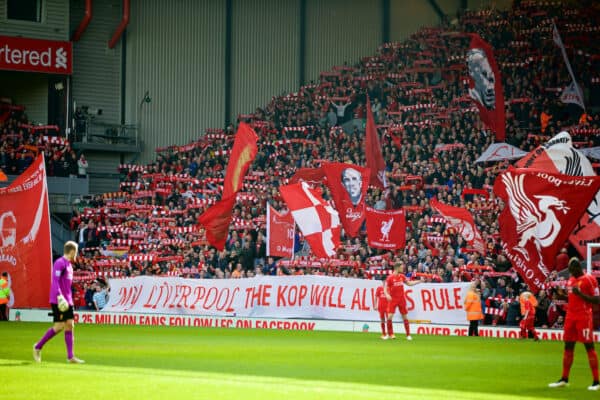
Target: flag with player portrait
x=485, y=86
x=348, y=186
x=25, y=248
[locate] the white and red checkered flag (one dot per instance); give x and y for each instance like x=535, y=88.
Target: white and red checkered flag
x=317, y=220
x=461, y=220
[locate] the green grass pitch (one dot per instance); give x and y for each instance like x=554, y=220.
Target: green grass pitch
x=134, y=362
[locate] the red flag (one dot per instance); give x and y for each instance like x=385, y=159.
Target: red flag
x=308, y=175
x=348, y=185
x=242, y=154
x=373, y=155
x=541, y=209
x=3, y=177
x=280, y=233
x=318, y=221
x=217, y=218
x=25, y=251
x=485, y=86
x=461, y=220
x=386, y=229
x=559, y=156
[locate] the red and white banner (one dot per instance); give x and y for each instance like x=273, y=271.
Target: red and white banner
x=541, y=209
x=348, y=186
x=36, y=55
x=305, y=296
x=386, y=229
x=317, y=220
x=485, y=86
x=559, y=156
x=461, y=220
x=25, y=251
x=280, y=233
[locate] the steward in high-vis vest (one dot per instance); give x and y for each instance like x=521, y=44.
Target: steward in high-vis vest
x=4, y=296
x=473, y=309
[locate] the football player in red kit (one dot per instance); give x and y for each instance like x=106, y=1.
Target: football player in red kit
x=582, y=293
x=528, y=303
x=394, y=292
x=381, y=306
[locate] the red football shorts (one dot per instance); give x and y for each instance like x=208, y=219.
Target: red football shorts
x=579, y=329
x=397, y=303
x=382, y=312
x=527, y=323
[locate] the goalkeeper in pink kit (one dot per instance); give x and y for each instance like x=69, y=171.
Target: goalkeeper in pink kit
x=61, y=301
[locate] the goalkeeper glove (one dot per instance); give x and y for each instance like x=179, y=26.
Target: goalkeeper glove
x=62, y=303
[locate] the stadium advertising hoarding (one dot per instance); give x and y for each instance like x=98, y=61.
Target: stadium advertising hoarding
x=36, y=55
x=134, y=319
x=281, y=297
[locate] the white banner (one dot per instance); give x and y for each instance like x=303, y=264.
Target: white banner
x=282, y=297
x=573, y=92
x=501, y=151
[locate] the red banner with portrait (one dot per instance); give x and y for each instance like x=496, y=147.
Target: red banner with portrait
x=25, y=248
x=485, y=86
x=348, y=186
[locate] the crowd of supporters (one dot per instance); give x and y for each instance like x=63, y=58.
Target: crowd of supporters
x=431, y=137
x=21, y=142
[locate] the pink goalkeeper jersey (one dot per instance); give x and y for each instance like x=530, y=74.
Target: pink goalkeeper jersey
x=62, y=277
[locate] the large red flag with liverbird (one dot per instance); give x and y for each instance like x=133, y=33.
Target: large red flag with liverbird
x=217, y=218
x=386, y=229
x=280, y=233
x=558, y=155
x=375, y=161
x=461, y=220
x=541, y=209
x=485, y=87
x=25, y=249
x=317, y=220
x=348, y=185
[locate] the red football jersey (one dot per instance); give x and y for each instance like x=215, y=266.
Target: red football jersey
x=528, y=309
x=395, y=285
x=381, y=299
x=578, y=307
